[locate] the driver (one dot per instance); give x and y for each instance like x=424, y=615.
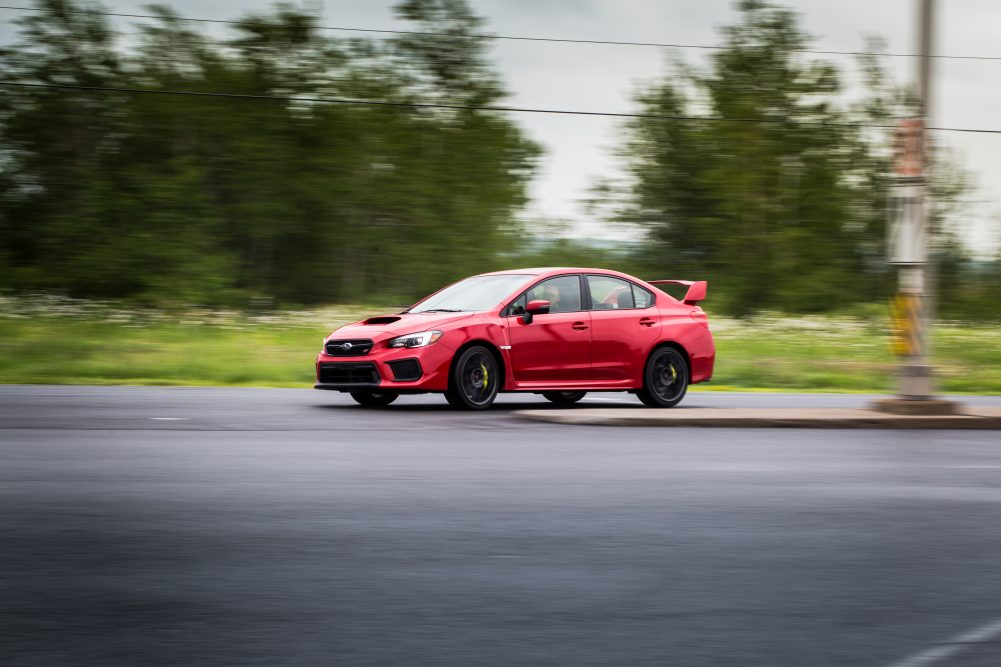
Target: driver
x=552, y=295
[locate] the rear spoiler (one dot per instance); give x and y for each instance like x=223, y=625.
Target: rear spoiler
x=696, y=289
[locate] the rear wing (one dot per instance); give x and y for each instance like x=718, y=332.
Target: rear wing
x=696, y=289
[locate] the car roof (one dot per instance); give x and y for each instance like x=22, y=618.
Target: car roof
x=547, y=270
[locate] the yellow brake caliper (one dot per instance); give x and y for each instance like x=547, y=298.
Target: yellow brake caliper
x=486, y=375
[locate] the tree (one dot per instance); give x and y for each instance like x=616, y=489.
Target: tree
x=773, y=192
x=179, y=197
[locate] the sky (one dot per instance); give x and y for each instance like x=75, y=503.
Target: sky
x=579, y=150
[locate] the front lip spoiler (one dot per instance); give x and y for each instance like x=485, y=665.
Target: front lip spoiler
x=340, y=386
x=374, y=388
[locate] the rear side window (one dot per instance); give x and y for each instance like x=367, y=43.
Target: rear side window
x=642, y=297
x=608, y=293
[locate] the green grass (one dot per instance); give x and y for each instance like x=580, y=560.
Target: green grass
x=847, y=354
x=102, y=345
x=75, y=352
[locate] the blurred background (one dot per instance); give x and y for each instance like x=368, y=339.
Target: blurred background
x=183, y=184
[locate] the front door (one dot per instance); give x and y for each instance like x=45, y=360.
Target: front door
x=555, y=347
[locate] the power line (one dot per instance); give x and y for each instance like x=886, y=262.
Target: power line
x=522, y=38
x=470, y=107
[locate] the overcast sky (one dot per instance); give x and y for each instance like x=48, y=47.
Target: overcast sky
x=603, y=77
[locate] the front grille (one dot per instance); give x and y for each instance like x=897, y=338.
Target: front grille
x=345, y=373
x=353, y=347
x=406, y=370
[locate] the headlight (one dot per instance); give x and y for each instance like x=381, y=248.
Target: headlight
x=421, y=339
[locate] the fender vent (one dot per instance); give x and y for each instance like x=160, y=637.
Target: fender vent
x=406, y=370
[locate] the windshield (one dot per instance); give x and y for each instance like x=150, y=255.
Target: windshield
x=471, y=294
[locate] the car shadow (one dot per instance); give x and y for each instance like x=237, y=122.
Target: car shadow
x=497, y=407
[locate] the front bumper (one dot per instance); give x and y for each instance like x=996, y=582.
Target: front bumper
x=387, y=369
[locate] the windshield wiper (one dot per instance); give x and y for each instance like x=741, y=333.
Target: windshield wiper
x=441, y=310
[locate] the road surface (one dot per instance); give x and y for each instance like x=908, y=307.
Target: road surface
x=177, y=526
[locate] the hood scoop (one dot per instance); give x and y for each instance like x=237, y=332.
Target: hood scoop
x=386, y=319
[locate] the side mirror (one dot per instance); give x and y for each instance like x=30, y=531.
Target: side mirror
x=537, y=307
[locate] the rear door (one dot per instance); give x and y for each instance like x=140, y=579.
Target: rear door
x=555, y=347
x=624, y=326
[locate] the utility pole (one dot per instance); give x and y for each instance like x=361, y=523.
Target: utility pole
x=909, y=245
x=916, y=372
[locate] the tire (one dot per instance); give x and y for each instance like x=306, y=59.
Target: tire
x=564, y=398
x=665, y=379
x=475, y=379
x=374, y=399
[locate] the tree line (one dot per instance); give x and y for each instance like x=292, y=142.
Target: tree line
x=174, y=198
x=785, y=206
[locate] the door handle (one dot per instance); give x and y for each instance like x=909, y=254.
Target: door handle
x=648, y=322
x=578, y=326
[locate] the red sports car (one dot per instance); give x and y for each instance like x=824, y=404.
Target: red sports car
x=554, y=331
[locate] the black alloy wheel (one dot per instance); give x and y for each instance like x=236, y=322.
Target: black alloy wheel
x=374, y=399
x=475, y=380
x=564, y=398
x=665, y=379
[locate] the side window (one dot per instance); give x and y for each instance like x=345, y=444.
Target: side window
x=562, y=293
x=609, y=293
x=642, y=297
x=517, y=306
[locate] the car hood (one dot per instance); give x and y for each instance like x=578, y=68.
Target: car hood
x=384, y=326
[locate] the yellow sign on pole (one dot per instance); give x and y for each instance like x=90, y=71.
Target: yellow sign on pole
x=905, y=318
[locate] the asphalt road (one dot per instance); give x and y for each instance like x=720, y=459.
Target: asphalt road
x=168, y=526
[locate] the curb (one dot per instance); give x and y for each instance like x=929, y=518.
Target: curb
x=980, y=418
